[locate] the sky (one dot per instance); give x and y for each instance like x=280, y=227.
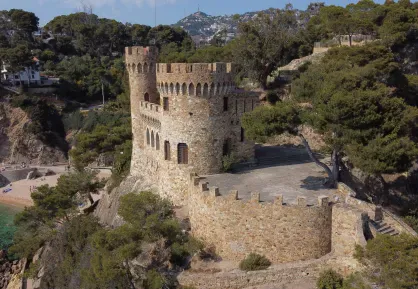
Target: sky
x=142, y=11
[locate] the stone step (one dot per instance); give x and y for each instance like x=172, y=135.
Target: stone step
x=387, y=231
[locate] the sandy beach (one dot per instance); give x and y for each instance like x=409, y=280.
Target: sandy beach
x=20, y=195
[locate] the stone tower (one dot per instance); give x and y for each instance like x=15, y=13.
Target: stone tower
x=185, y=118
x=140, y=63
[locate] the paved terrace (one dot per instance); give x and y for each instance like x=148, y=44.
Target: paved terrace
x=280, y=170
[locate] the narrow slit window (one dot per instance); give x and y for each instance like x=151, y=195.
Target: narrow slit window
x=167, y=153
x=225, y=103
x=166, y=104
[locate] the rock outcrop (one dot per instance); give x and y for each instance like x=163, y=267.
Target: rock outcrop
x=9, y=271
x=17, y=145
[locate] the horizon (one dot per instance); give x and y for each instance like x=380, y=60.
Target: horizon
x=142, y=11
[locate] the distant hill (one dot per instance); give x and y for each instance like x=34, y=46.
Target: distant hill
x=203, y=27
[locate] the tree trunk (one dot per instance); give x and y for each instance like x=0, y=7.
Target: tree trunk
x=90, y=199
x=350, y=37
x=335, y=165
x=103, y=94
x=331, y=180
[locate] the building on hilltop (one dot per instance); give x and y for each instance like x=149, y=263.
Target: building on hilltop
x=185, y=117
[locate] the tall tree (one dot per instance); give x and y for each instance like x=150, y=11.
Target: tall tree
x=264, y=44
x=360, y=115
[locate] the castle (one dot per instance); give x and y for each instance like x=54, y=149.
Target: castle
x=185, y=119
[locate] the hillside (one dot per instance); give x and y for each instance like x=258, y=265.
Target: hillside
x=18, y=144
x=203, y=27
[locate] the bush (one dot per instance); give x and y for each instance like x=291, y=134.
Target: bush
x=412, y=221
x=272, y=97
x=254, y=262
x=329, y=279
x=227, y=162
x=154, y=280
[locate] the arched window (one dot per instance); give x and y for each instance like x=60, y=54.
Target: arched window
x=157, y=142
x=177, y=88
x=184, y=89
x=152, y=139
x=146, y=97
x=167, y=153
x=191, y=89
x=242, y=135
x=148, y=138
x=129, y=67
x=182, y=153
x=166, y=88
x=145, y=67
x=198, y=89
x=171, y=88
x=212, y=89
x=206, y=90
x=139, y=68
x=133, y=67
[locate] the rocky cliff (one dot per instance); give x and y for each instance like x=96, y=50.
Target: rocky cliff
x=10, y=272
x=18, y=144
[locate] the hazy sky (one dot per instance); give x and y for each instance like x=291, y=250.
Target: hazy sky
x=142, y=11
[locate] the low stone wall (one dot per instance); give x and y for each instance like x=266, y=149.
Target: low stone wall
x=283, y=233
x=237, y=279
x=395, y=221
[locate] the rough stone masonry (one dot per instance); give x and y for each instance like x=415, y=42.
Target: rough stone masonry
x=185, y=120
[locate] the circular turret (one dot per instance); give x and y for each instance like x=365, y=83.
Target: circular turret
x=141, y=65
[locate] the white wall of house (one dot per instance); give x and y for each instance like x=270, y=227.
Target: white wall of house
x=29, y=74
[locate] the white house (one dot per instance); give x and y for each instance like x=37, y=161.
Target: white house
x=30, y=74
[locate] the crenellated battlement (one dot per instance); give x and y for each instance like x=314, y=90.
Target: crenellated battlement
x=141, y=60
x=283, y=232
x=180, y=68
x=213, y=193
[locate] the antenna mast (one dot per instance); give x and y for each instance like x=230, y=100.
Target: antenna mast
x=155, y=10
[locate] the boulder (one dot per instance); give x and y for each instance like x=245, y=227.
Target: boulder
x=3, y=182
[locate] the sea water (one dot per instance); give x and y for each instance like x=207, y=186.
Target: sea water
x=7, y=228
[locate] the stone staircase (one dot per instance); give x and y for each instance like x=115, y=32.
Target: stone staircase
x=383, y=228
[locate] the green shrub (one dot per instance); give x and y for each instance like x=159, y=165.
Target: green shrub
x=227, y=162
x=254, y=262
x=355, y=281
x=272, y=97
x=412, y=221
x=73, y=121
x=329, y=279
x=154, y=280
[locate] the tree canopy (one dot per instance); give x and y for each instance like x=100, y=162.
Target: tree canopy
x=351, y=98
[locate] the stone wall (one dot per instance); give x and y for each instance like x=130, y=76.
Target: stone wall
x=274, y=277
x=370, y=208
x=348, y=226
x=283, y=233
x=180, y=104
